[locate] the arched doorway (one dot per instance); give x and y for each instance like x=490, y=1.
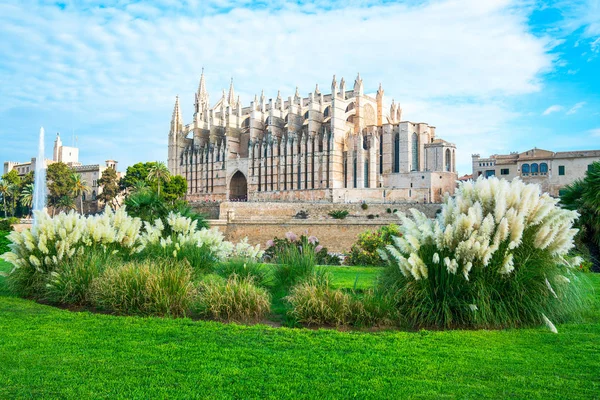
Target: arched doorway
x=238, y=187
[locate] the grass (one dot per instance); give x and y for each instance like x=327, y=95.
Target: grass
x=46, y=352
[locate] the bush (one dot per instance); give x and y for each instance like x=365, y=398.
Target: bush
x=277, y=246
x=364, y=206
x=338, y=214
x=236, y=299
x=144, y=288
x=245, y=269
x=366, y=249
x=388, y=210
x=314, y=302
x=491, y=258
x=294, y=264
x=71, y=281
x=4, y=242
x=7, y=223
x=317, y=304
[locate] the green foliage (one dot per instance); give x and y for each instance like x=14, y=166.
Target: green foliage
x=60, y=186
x=145, y=288
x=304, y=243
x=136, y=173
x=71, y=281
x=364, y=206
x=200, y=258
x=147, y=205
x=4, y=242
x=174, y=189
x=110, y=187
x=245, y=269
x=7, y=223
x=80, y=355
x=582, y=196
x=315, y=302
x=366, y=249
x=183, y=208
x=338, y=214
x=294, y=264
x=237, y=299
x=158, y=173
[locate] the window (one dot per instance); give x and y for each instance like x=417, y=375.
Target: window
x=534, y=169
x=561, y=169
x=94, y=195
x=448, y=160
x=397, y=152
x=544, y=168
x=415, y=152
x=355, y=169
x=327, y=111
x=366, y=176
x=504, y=171
x=490, y=172
x=525, y=169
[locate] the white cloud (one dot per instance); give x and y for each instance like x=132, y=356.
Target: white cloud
x=552, y=109
x=114, y=71
x=594, y=132
x=576, y=107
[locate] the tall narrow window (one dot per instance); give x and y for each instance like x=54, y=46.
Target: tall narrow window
x=525, y=169
x=543, y=168
x=354, y=169
x=380, y=155
x=415, y=152
x=397, y=152
x=345, y=164
x=366, y=177
x=448, y=161
x=534, y=169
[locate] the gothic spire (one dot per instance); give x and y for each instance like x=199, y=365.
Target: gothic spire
x=176, y=119
x=202, y=87
x=231, y=97
x=333, y=85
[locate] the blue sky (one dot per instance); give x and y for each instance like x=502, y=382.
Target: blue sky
x=493, y=76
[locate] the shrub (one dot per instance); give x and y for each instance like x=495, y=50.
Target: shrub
x=314, y=303
x=71, y=281
x=364, y=206
x=144, y=288
x=294, y=264
x=491, y=258
x=6, y=224
x=236, y=299
x=244, y=269
x=338, y=214
x=371, y=216
x=277, y=246
x=388, y=210
x=4, y=242
x=366, y=249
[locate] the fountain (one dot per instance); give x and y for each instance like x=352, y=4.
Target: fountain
x=39, y=183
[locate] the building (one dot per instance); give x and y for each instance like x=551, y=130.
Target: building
x=70, y=156
x=339, y=147
x=551, y=170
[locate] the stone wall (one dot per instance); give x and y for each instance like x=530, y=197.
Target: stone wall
x=317, y=211
x=209, y=209
x=336, y=235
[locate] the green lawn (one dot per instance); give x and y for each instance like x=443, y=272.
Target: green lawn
x=47, y=352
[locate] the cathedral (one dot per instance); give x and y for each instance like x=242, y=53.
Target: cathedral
x=339, y=147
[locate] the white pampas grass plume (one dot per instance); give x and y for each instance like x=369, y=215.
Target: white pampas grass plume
x=549, y=324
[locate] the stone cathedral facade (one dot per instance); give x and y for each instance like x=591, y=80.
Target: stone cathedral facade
x=338, y=147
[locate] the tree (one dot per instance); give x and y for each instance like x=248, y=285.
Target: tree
x=4, y=192
x=110, y=186
x=135, y=174
x=60, y=184
x=175, y=189
x=27, y=195
x=583, y=195
x=157, y=173
x=80, y=187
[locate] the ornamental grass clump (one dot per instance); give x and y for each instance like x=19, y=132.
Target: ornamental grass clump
x=38, y=252
x=495, y=256
x=236, y=299
x=159, y=288
x=245, y=268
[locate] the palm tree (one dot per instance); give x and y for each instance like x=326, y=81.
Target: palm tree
x=80, y=187
x=65, y=203
x=4, y=192
x=13, y=189
x=27, y=195
x=159, y=172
